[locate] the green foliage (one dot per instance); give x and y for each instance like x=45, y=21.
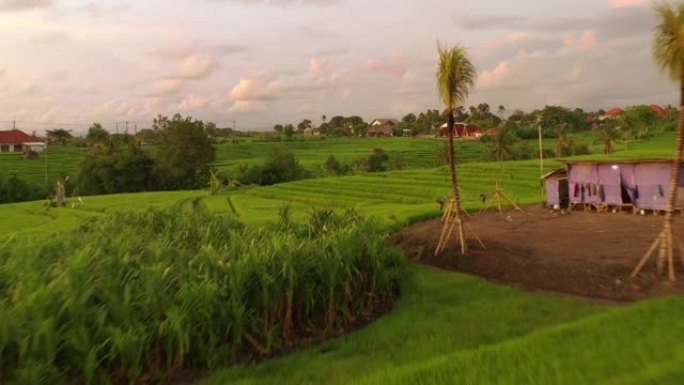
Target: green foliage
x=377, y=161
x=97, y=134
x=456, y=75
x=333, y=166
x=184, y=153
x=127, y=169
x=15, y=189
x=279, y=167
x=501, y=145
x=288, y=130
x=136, y=297
x=59, y=135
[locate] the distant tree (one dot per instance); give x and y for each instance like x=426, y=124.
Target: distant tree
x=127, y=169
x=303, y=125
x=323, y=119
x=60, y=136
x=501, y=110
x=333, y=166
x=288, y=130
x=278, y=128
x=184, y=154
x=377, y=161
x=336, y=121
x=97, y=134
x=564, y=141
x=606, y=135
x=279, y=167
x=210, y=129
x=455, y=77
x=501, y=145
x=409, y=118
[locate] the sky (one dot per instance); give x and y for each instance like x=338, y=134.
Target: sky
x=69, y=63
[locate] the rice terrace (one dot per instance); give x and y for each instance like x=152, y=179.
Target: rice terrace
x=304, y=192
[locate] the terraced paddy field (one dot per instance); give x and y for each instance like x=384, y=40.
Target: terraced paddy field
x=410, y=152
x=397, y=197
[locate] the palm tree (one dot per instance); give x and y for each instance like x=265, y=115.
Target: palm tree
x=607, y=135
x=564, y=143
x=501, y=110
x=501, y=144
x=668, y=53
x=455, y=77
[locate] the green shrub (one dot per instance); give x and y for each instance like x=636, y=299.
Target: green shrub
x=279, y=167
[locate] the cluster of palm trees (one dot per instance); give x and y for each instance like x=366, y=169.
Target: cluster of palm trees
x=456, y=76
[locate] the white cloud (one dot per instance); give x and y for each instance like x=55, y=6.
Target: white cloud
x=585, y=40
x=50, y=38
x=494, y=77
x=627, y=3
x=165, y=87
x=22, y=5
x=394, y=65
x=102, y=10
x=196, y=66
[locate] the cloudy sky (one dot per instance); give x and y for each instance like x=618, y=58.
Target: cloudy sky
x=67, y=63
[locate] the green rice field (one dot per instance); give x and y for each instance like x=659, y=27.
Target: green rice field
x=410, y=152
x=447, y=328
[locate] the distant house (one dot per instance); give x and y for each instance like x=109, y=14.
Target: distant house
x=463, y=131
x=381, y=128
x=617, y=111
x=658, y=110
x=18, y=141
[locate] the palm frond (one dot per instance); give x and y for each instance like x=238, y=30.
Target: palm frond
x=456, y=75
x=668, y=38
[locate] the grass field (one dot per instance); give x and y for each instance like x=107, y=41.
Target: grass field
x=447, y=328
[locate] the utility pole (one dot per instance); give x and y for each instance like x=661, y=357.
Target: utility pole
x=541, y=160
x=135, y=129
x=126, y=131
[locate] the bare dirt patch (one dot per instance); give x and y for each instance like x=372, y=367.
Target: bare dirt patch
x=583, y=254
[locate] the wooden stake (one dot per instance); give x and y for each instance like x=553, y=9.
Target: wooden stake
x=645, y=258
x=670, y=258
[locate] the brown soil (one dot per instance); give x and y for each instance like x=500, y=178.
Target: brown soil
x=583, y=254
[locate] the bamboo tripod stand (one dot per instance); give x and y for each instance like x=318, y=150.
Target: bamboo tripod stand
x=451, y=221
x=500, y=195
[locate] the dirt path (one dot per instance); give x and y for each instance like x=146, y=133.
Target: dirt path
x=580, y=254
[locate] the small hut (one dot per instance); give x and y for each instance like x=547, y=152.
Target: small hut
x=557, y=188
x=639, y=184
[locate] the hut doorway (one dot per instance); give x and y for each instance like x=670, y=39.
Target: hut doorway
x=563, y=192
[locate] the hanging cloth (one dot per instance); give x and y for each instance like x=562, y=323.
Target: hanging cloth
x=636, y=192
x=659, y=193
x=576, y=191
x=602, y=193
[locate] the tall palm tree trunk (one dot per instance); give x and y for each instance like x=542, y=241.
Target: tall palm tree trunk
x=455, y=195
x=677, y=163
x=666, y=239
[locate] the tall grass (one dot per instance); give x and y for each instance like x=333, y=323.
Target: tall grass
x=136, y=297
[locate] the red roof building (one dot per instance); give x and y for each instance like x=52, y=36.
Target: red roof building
x=614, y=112
x=462, y=130
x=18, y=141
x=659, y=110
